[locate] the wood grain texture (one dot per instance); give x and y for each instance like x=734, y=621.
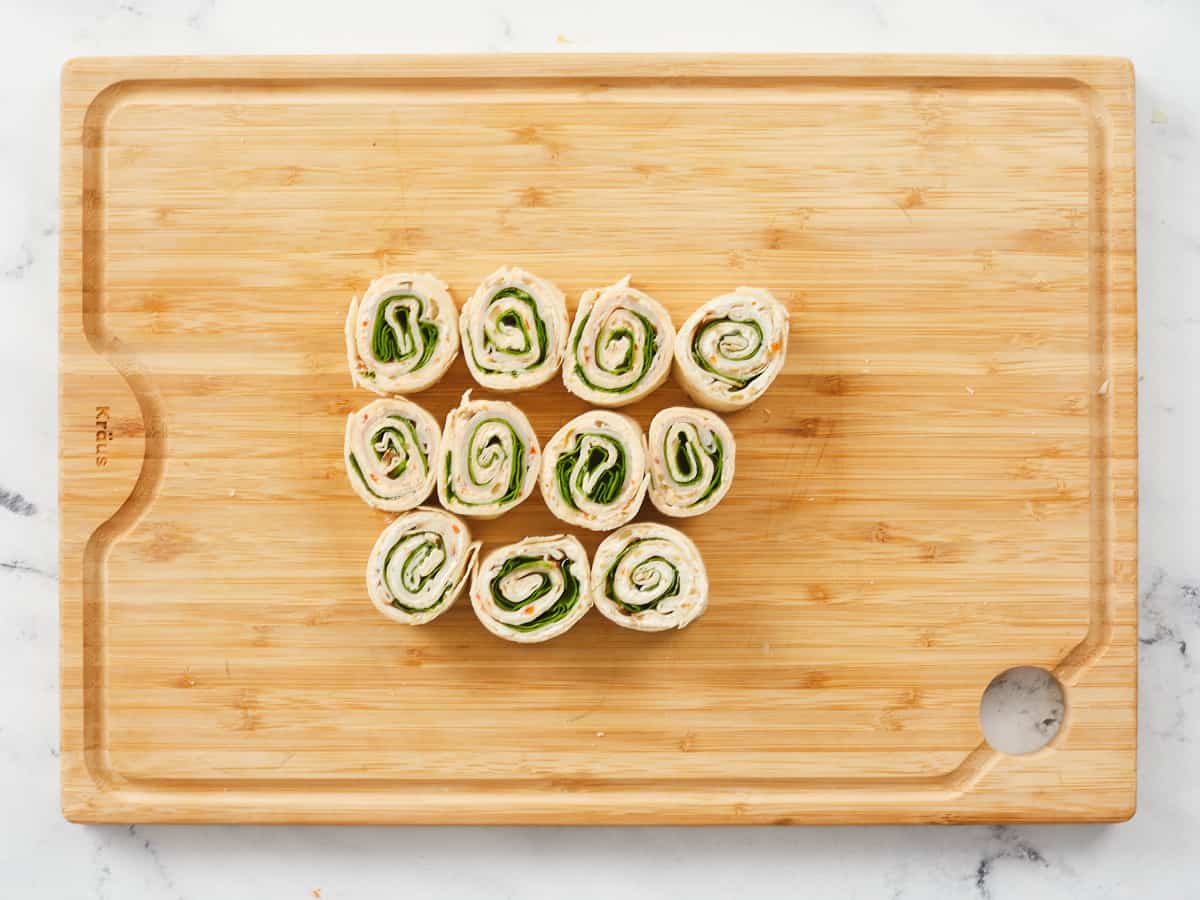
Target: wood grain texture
x=939, y=486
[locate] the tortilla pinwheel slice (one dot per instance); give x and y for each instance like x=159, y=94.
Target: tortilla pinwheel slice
x=692, y=456
x=620, y=347
x=533, y=590
x=649, y=577
x=402, y=334
x=514, y=330
x=729, y=350
x=391, y=451
x=594, y=470
x=419, y=565
x=489, y=458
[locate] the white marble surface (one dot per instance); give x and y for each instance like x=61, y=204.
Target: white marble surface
x=1158, y=854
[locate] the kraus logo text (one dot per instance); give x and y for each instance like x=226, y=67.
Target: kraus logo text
x=103, y=436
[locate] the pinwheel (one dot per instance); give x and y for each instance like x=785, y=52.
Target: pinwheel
x=729, y=350
x=594, y=470
x=514, y=330
x=620, y=346
x=391, y=450
x=649, y=577
x=419, y=565
x=489, y=458
x=401, y=336
x=692, y=457
x=533, y=590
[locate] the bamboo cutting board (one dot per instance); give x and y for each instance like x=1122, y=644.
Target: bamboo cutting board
x=940, y=486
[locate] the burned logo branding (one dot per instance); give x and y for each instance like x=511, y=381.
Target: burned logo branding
x=103, y=436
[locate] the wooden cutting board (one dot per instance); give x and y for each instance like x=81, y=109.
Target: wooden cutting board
x=940, y=486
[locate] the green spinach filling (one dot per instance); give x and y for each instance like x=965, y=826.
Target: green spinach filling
x=653, y=583
x=489, y=452
x=396, y=435
x=609, y=469
x=537, y=565
x=412, y=581
x=401, y=331
x=683, y=461
x=511, y=320
x=748, y=352
x=626, y=363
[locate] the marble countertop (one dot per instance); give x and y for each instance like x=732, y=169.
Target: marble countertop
x=1157, y=854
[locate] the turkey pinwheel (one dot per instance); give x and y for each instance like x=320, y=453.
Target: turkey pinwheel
x=649, y=577
x=620, y=346
x=489, y=458
x=533, y=590
x=401, y=336
x=391, y=450
x=692, y=456
x=729, y=350
x=594, y=470
x=419, y=565
x=514, y=330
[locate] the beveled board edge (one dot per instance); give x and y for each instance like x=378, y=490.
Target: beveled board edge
x=1048, y=786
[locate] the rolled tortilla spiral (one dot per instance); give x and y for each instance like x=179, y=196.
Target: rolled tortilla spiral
x=419, y=565
x=620, y=346
x=594, y=470
x=489, y=458
x=533, y=590
x=692, y=456
x=649, y=577
x=401, y=336
x=514, y=330
x=391, y=450
x=729, y=350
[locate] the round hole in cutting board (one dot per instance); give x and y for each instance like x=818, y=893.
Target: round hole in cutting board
x=1022, y=710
